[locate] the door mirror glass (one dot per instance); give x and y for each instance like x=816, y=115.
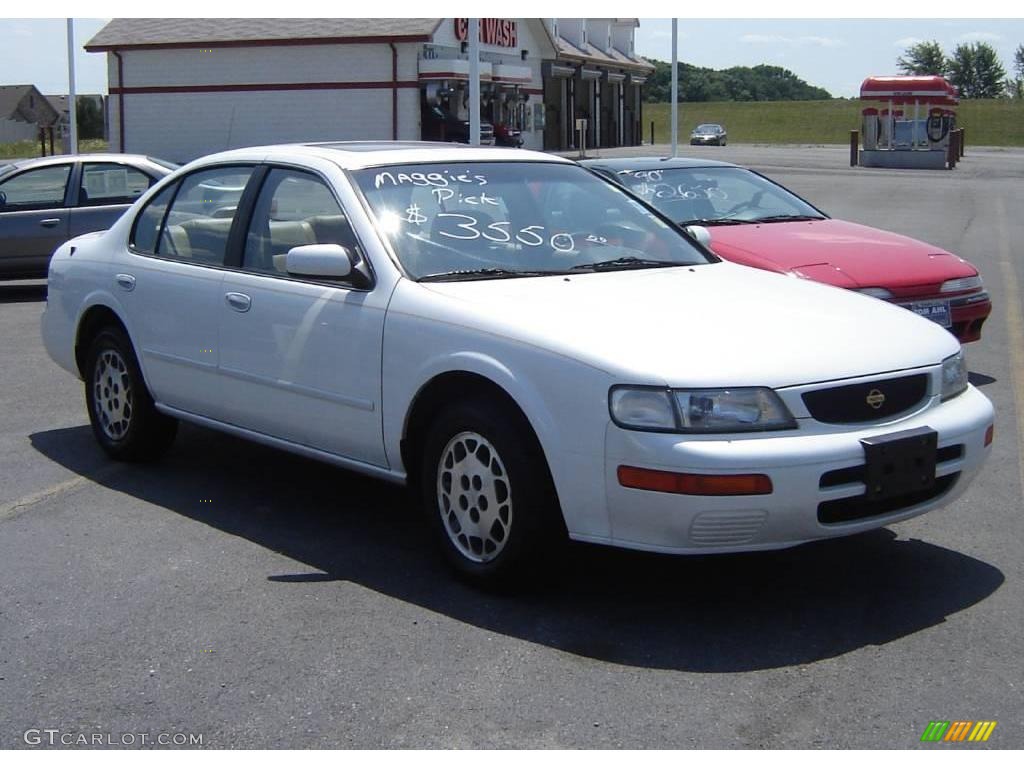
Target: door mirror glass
x=323, y=260
x=700, y=234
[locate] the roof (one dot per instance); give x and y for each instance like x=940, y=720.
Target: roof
x=11, y=102
x=59, y=103
x=91, y=157
x=654, y=163
x=10, y=98
x=127, y=34
x=354, y=155
x=591, y=54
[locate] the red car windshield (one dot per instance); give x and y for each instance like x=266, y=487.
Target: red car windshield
x=716, y=196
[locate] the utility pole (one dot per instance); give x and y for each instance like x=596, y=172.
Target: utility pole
x=675, y=88
x=72, y=101
x=474, y=82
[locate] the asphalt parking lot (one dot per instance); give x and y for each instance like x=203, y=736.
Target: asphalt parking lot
x=263, y=600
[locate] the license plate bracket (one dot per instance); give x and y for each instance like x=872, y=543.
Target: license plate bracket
x=900, y=463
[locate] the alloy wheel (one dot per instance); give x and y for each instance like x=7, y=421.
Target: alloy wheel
x=474, y=497
x=112, y=394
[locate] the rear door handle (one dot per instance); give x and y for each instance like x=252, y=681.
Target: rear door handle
x=125, y=281
x=49, y=223
x=238, y=301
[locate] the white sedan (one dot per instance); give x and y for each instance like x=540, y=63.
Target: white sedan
x=538, y=353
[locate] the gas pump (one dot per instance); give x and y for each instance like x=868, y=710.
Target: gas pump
x=910, y=123
x=869, y=128
x=939, y=124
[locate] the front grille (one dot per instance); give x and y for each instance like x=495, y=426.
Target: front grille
x=868, y=401
x=858, y=508
x=847, y=475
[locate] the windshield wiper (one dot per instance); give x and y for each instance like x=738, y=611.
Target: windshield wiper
x=629, y=262
x=484, y=272
x=787, y=217
x=715, y=222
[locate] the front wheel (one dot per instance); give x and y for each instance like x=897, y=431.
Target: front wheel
x=489, y=496
x=124, y=420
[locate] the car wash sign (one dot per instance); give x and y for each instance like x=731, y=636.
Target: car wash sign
x=503, y=33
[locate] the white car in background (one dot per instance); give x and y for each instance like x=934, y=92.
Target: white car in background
x=538, y=352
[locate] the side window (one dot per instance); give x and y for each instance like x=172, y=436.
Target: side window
x=40, y=188
x=111, y=184
x=293, y=208
x=197, y=226
x=147, y=223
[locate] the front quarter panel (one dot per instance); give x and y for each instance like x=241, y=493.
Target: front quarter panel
x=565, y=401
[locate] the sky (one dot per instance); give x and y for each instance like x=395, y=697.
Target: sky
x=835, y=54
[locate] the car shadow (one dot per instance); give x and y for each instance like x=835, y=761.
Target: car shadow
x=980, y=379
x=17, y=294
x=710, y=614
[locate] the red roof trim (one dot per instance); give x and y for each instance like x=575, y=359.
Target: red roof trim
x=270, y=42
x=241, y=87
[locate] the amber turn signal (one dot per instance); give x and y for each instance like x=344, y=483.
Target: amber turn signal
x=694, y=485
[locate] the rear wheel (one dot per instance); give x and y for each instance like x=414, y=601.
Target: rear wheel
x=124, y=420
x=488, y=495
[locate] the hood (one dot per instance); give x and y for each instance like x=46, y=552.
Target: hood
x=705, y=326
x=840, y=253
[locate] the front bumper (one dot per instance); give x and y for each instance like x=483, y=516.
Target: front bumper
x=697, y=140
x=967, y=314
x=797, y=463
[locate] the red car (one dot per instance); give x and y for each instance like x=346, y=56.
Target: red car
x=754, y=221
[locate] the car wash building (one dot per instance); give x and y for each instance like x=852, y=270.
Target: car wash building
x=181, y=88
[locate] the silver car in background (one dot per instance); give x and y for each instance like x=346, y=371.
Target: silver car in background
x=47, y=201
x=709, y=133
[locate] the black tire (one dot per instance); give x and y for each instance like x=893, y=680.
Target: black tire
x=124, y=420
x=533, y=531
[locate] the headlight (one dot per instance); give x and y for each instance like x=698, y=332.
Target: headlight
x=878, y=293
x=954, y=375
x=961, y=284
x=646, y=408
x=750, y=409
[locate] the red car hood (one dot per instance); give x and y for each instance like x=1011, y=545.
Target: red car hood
x=841, y=253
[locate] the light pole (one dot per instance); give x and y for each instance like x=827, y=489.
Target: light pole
x=474, y=82
x=675, y=88
x=72, y=111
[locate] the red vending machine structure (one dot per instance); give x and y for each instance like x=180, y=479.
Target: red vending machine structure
x=906, y=122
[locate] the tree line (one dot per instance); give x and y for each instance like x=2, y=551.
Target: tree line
x=761, y=83
x=974, y=68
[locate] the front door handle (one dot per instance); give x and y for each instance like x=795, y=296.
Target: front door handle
x=49, y=223
x=125, y=281
x=238, y=301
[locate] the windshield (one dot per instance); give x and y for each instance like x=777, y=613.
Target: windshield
x=711, y=196
x=708, y=128
x=514, y=219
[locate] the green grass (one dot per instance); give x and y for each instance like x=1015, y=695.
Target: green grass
x=988, y=122
x=24, y=149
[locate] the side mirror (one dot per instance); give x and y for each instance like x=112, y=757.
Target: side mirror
x=3, y=199
x=324, y=260
x=700, y=234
